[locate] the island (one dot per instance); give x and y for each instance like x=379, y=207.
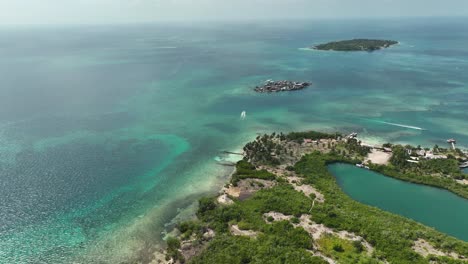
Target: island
x=356, y=45
x=282, y=205
x=280, y=86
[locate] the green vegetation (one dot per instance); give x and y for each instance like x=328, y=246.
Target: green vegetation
x=173, y=245
x=390, y=235
x=434, y=172
x=245, y=170
x=356, y=45
x=193, y=227
x=314, y=135
x=436, y=181
x=277, y=242
x=281, y=198
x=447, y=166
x=344, y=251
x=280, y=245
x=266, y=149
x=353, y=146
x=273, y=149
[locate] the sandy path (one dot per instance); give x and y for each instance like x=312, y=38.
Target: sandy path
x=235, y=230
x=306, y=189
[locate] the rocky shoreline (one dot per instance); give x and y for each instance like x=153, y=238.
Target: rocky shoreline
x=271, y=86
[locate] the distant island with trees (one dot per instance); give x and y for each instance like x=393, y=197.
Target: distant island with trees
x=356, y=45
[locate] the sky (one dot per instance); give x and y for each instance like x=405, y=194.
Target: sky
x=14, y=12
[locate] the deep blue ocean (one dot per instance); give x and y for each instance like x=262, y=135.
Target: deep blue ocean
x=109, y=132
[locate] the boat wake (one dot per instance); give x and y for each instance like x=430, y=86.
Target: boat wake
x=401, y=125
x=243, y=115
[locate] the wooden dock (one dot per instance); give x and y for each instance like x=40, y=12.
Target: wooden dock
x=234, y=153
x=226, y=163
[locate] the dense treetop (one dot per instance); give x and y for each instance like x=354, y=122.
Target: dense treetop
x=356, y=45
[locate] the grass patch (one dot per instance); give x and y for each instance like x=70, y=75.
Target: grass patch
x=344, y=251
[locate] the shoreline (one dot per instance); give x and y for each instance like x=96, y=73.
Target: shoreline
x=157, y=255
x=144, y=235
x=223, y=192
x=227, y=195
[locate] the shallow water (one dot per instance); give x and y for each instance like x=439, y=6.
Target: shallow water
x=431, y=206
x=105, y=131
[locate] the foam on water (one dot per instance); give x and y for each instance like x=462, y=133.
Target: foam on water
x=401, y=125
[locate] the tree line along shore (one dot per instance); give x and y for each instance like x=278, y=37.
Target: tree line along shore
x=282, y=205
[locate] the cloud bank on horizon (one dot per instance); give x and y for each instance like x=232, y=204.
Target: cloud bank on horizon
x=134, y=11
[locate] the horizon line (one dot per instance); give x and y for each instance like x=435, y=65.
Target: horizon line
x=226, y=20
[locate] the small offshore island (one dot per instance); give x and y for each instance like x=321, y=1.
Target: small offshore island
x=356, y=45
x=280, y=86
x=282, y=205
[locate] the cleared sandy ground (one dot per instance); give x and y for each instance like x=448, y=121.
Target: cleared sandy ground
x=378, y=157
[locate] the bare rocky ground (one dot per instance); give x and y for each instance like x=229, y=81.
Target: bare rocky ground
x=235, y=230
x=159, y=257
x=244, y=189
x=189, y=248
x=318, y=230
x=378, y=157
x=424, y=248
x=224, y=199
x=296, y=182
x=464, y=181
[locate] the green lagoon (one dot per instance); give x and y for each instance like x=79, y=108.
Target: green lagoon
x=430, y=206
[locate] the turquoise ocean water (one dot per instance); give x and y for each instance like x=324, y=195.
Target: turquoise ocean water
x=108, y=132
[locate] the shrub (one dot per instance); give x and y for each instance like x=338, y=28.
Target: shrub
x=338, y=248
x=358, y=246
x=206, y=204
x=295, y=220
x=173, y=245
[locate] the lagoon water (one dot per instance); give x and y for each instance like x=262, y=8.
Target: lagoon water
x=431, y=206
x=108, y=132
